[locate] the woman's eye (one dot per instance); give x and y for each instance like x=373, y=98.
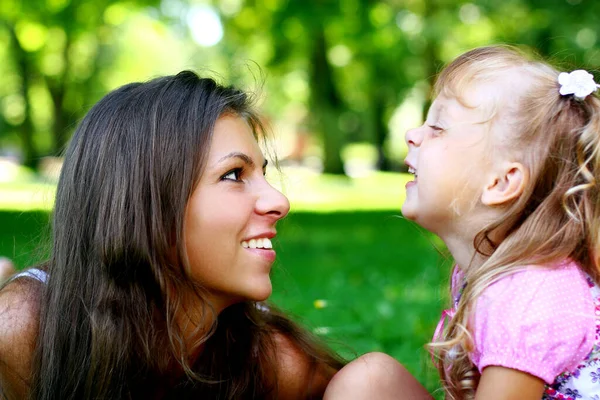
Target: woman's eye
x=233, y=175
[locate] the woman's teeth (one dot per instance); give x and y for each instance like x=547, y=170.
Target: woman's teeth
x=413, y=171
x=262, y=243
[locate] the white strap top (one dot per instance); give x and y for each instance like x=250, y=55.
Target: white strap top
x=34, y=273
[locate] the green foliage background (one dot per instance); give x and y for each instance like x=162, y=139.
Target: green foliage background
x=338, y=69
x=346, y=76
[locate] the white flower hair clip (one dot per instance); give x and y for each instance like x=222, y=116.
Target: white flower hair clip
x=579, y=83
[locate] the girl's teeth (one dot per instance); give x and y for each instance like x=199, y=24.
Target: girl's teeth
x=261, y=243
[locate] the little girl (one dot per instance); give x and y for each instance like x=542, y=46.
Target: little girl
x=507, y=168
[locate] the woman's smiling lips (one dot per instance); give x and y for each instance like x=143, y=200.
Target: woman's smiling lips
x=261, y=245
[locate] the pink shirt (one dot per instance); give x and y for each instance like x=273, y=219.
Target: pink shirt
x=539, y=320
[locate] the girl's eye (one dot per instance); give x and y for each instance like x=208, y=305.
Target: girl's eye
x=436, y=129
x=233, y=175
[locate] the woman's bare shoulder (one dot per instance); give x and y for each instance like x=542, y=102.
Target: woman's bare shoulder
x=19, y=310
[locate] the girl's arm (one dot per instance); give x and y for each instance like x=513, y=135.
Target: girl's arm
x=499, y=383
x=298, y=377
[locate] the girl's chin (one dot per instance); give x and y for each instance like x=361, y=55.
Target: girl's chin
x=408, y=212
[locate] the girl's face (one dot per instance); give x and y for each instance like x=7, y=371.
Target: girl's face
x=231, y=216
x=449, y=156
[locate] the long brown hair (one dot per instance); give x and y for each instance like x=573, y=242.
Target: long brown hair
x=117, y=270
x=557, y=216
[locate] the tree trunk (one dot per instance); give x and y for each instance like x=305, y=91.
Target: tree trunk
x=380, y=129
x=325, y=105
x=58, y=88
x=30, y=154
x=59, y=127
x=431, y=60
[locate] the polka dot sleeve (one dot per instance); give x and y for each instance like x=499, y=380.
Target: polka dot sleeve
x=539, y=321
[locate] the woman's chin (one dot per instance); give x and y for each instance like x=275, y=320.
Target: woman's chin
x=263, y=295
x=260, y=291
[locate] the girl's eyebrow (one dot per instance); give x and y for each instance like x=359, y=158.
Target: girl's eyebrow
x=437, y=110
x=242, y=156
x=431, y=113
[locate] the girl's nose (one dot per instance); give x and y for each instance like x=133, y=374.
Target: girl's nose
x=272, y=202
x=414, y=136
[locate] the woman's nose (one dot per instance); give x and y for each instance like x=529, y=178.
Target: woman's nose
x=272, y=202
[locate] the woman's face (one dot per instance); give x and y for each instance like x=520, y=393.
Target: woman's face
x=231, y=216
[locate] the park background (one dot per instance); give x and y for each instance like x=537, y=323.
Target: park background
x=339, y=83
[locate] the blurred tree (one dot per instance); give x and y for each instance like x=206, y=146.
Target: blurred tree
x=325, y=103
x=298, y=34
x=59, y=46
x=380, y=68
x=349, y=63
x=565, y=31
x=351, y=54
x=23, y=62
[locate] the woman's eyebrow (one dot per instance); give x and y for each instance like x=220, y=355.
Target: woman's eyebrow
x=242, y=156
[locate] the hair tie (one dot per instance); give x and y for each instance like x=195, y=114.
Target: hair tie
x=579, y=83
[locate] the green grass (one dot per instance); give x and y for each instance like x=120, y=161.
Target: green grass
x=365, y=280
x=24, y=236
x=378, y=277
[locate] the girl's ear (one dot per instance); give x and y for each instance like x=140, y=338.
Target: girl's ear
x=505, y=186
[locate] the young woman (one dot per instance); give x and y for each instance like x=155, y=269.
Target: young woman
x=162, y=248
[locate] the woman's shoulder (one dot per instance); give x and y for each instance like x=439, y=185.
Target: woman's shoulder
x=19, y=311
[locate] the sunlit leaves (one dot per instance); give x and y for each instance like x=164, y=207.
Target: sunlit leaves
x=82, y=56
x=57, y=5
x=13, y=108
x=381, y=14
x=54, y=50
x=31, y=35
x=116, y=14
